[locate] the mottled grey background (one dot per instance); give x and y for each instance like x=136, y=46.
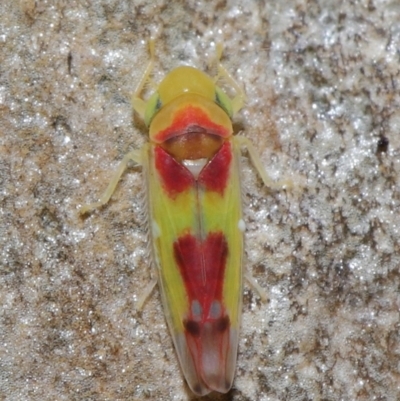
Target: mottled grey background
x=322, y=80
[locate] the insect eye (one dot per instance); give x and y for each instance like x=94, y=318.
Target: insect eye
x=223, y=101
x=153, y=105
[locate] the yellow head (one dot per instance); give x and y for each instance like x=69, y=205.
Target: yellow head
x=186, y=80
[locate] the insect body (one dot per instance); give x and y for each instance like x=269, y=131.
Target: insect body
x=191, y=165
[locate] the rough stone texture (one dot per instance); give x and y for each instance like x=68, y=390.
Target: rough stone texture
x=322, y=80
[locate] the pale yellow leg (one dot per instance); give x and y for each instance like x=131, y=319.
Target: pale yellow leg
x=138, y=104
x=146, y=294
x=244, y=142
x=240, y=98
x=136, y=156
x=252, y=281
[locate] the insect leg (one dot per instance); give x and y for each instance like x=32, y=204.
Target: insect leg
x=138, y=104
x=240, y=98
x=244, y=142
x=253, y=283
x=146, y=294
x=136, y=156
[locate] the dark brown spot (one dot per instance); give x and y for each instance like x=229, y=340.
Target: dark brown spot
x=383, y=144
x=222, y=323
x=192, y=327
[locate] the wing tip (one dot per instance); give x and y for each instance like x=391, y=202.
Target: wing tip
x=208, y=373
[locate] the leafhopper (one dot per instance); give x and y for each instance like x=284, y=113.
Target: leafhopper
x=191, y=165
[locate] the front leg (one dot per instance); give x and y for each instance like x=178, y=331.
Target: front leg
x=243, y=142
x=137, y=157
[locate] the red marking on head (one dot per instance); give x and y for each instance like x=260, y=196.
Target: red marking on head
x=215, y=175
x=202, y=265
x=175, y=177
x=187, y=117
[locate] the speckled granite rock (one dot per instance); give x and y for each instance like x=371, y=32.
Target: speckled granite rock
x=322, y=80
